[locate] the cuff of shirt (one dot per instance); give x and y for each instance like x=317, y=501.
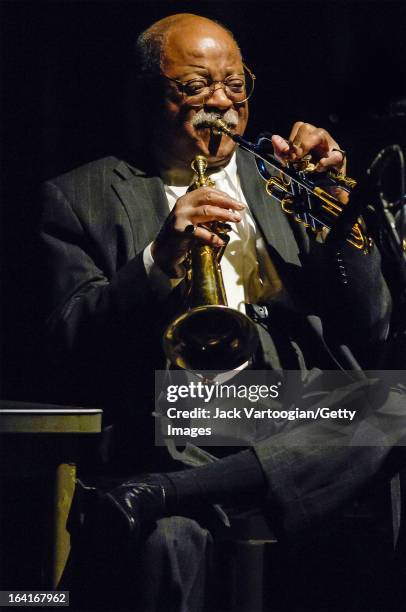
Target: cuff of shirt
x=160, y=282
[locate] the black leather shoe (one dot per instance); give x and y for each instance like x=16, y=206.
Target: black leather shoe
x=133, y=505
x=116, y=517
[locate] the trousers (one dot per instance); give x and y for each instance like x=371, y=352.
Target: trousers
x=169, y=571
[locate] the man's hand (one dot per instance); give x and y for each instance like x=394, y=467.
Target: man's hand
x=200, y=206
x=305, y=138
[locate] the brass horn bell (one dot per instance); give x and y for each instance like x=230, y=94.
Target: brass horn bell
x=209, y=335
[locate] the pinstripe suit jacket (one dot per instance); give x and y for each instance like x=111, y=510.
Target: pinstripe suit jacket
x=104, y=324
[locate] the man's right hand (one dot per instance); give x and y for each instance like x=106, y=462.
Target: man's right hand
x=201, y=206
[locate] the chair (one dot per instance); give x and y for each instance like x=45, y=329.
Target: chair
x=41, y=445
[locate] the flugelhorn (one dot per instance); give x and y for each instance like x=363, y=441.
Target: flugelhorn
x=304, y=193
x=209, y=335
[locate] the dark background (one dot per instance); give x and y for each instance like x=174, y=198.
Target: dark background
x=64, y=65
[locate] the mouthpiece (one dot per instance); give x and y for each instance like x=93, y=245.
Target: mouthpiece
x=220, y=126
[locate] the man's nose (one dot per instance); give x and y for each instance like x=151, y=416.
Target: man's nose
x=219, y=99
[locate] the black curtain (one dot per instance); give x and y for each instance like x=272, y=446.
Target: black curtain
x=64, y=66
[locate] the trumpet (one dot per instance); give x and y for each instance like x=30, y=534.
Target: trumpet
x=209, y=335
x=303, y=192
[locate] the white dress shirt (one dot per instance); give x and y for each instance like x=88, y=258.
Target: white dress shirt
x=248, y=272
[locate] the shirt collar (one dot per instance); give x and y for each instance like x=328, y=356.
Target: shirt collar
x=228, y=172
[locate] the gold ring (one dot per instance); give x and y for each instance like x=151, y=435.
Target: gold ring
x=343, y=153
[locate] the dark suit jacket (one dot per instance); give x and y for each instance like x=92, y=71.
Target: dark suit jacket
x=104, y=323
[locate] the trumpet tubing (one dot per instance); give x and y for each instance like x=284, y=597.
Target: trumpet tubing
x=303, y=192
x=209, y=335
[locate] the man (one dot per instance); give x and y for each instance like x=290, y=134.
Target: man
x=117, y=233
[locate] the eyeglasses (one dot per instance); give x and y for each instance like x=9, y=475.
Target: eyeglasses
x=237, y=87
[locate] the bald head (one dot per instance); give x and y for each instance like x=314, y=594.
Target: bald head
x=174, y=31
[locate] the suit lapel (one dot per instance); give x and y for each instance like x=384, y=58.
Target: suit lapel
x=269, y=217
x=144, y=199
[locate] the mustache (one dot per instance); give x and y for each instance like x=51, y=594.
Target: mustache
x=204, y=119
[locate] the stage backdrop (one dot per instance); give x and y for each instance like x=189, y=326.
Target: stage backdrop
x=64, y=66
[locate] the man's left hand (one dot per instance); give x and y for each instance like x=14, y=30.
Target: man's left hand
x=305, y=138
